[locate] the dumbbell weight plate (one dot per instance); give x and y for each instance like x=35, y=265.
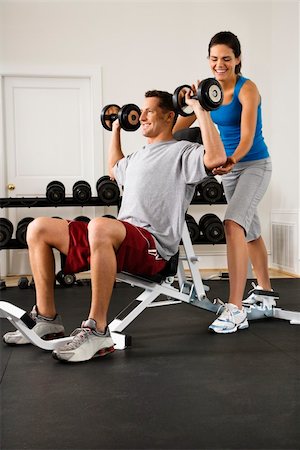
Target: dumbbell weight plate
x=210, y=94
x=129, y=117
x=192, y=227
x=212, y=228
x=210, y=189
x=65, y=280
x=107, y=190
x=108, y=115
x=82, y=219
x=21, y=231
x=55, y=192
x=179, y=100
x=82, y=191
x=23, y=283
x=6, y=231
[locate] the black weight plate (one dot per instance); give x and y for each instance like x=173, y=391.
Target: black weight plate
x=192, y=227
x=212, y=228
x=55, y=192
x=107, y=190
x=210, y=190
x=210, y=94
x=108, y=114
x=129, y=117
x=82, y=219
x=22, y=230
x=6, y=231
x=82, y=191
x=179, y=100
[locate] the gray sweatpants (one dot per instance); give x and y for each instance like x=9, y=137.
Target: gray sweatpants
x=244, y=187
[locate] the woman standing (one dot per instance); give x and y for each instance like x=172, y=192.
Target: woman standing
x=245, y=176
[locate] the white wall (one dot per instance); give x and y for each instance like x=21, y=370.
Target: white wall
x=284, y=124
x=146, y=45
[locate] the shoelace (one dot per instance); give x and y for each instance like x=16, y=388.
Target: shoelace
x=80, y=336
x=227, y=311
x=254, y=287
x=219, y=302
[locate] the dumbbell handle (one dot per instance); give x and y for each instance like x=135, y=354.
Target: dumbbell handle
x=111, y=117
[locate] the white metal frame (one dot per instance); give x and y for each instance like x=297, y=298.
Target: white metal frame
x=193, y=293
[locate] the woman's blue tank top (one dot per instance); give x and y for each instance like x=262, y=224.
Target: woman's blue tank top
x=228, y=120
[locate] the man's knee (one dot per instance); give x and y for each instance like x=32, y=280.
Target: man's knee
x=37, y=229
x=103, y=230
x=51, y=231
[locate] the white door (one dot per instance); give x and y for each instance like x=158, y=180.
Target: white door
x=51, y=132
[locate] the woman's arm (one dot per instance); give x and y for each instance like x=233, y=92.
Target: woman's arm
x=249, y=98
x=183, y=122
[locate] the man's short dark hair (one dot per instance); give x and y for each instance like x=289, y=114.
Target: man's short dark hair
x=165, y=101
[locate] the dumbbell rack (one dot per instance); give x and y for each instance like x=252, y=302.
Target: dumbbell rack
x=43, y=202
x=197, y=200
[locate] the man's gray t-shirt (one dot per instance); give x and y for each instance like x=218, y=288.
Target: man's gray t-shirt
x=158, y=184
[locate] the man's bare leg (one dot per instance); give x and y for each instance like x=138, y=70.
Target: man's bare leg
x=44, y=234
x=105, y=237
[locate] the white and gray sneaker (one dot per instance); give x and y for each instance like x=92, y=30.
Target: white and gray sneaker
x=45, y=328
x=230, y=320
x=87, y=343
x=259, y=297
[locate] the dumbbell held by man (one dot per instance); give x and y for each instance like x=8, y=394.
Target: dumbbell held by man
x=128, y=116
x=209, y=94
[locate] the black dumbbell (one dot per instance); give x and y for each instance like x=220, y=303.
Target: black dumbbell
x=212, y=229
x=128, y=115
x=6, y=231
x=82, y=191
x=55, y=192
x=23, y=283
x=109, y=216
x=82, y=219
x=67, y=280
x=210, y=190
x=2, y=285
x=21, y=230
x=107, y=190
x=192, y=227
x=209, y=94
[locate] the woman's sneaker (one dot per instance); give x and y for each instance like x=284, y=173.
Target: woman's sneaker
x=259, y=297
x=87, y=343
x=44, y=328
x=230, y=320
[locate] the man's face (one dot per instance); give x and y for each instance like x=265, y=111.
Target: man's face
x=154, y=121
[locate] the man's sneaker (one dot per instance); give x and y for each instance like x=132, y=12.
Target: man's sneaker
x=44, y=328
x=87, y=343
x=231, y=320
x=259, y=297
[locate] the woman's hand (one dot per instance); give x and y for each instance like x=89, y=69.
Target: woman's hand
x=225, y=168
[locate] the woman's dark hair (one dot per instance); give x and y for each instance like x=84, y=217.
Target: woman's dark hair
x=231, y=40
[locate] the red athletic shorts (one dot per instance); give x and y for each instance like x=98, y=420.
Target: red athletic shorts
x=137, y=253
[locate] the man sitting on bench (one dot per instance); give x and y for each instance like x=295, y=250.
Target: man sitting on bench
x=158, y=184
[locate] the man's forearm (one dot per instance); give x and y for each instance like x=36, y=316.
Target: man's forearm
x=115, y=151
x=214, y=149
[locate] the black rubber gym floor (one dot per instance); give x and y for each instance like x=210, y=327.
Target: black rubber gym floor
x=177, y=387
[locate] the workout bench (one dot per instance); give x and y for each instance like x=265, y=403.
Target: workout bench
x=192, y=292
